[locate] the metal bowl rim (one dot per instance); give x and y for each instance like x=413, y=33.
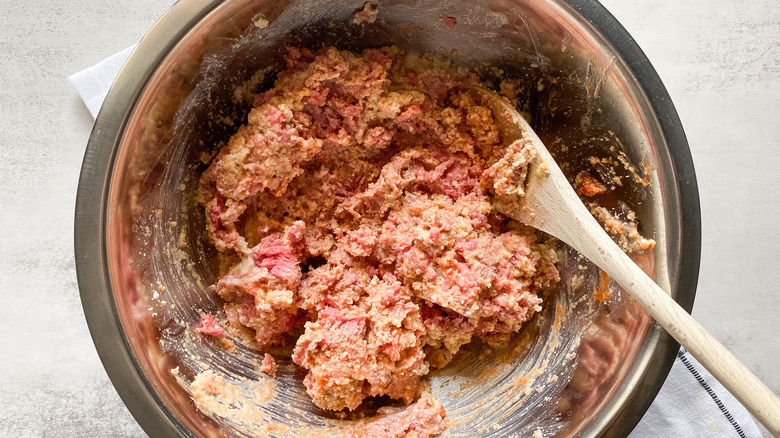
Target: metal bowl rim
x=96, y=293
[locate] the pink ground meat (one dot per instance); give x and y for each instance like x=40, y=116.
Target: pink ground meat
x=354, y=205
x=209, y=326
x=268, y=366
x=450, y=21
x=424, y=418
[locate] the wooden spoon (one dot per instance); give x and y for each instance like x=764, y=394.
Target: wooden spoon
x=548, y=203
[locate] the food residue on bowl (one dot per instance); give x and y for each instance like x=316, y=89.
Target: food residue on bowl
x=587, y=185
x=450, y=21
x=367, y=14
x=260, y=21
x=268, y=365
x=624, y=230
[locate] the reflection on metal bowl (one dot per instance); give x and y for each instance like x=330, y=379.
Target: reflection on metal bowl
x=580, y=368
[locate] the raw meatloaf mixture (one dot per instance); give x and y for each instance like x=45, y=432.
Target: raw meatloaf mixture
x=354, y=205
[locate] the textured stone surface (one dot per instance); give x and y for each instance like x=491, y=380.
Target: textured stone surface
x=53, y=383
x=720, y=61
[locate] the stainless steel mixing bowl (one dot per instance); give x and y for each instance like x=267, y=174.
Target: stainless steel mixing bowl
x=580, y=368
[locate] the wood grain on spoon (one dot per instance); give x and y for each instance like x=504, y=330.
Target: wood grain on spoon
x=530, y=187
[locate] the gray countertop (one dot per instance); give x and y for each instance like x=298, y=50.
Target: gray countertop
x=719, y=59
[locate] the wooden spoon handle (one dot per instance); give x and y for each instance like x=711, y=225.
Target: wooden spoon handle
x=551, y=205
x=576, y=226
x=743, y=384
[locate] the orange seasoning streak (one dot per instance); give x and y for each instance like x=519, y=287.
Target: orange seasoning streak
x=560, y=314
x=602, y=293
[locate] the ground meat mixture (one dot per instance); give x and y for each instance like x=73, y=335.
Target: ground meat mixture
x=422, y=419
x=209, y=326
x=624, y=231
x=269, y=365
x=367, y=14
x=451, y=22
x=587, y=185
x=354, y=205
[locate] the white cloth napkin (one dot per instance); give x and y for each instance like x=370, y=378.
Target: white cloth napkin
x=94, y=82
x=691, y=402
